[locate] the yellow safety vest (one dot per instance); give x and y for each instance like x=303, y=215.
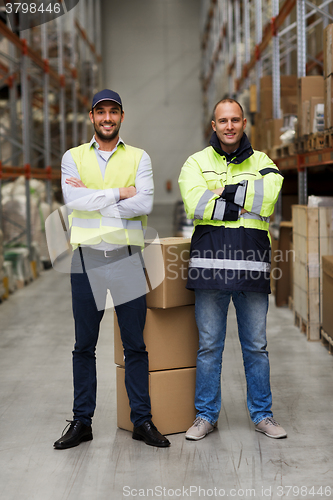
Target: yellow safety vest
x=91, y=227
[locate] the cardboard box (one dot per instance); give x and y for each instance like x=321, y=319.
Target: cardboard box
x=171, y=292
x=328, y=50
x=172, y=400
x=274, y=133
x=289, y=105
x=305, y=117
x=308, y=86
x=327, y=318
x=286, y=82
x=253, y=98
x=288, y=85
x=171, y=337
x=328, y=102
x=253, y=137
x=312, y=239
x=314, y=101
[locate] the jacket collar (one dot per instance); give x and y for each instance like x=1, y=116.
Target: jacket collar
x=241, y=154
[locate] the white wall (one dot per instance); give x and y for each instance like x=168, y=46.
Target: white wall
x=151, y=57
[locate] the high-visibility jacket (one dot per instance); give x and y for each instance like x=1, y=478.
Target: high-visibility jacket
x=90, y=227
x=230, y=251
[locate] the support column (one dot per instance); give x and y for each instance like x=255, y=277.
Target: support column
x=75, y=134
x=301, y=71
x=26, y=137
x=62, y=93
x=46, y=110
x=238, y=39
x=246, y=35
x=258, y=23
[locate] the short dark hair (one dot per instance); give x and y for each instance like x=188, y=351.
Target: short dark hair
x=227, y=99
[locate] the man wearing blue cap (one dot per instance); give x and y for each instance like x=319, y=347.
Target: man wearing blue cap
x=108, y=187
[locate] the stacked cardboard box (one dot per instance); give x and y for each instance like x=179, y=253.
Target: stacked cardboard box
x=327, y=318
x=312, y=239
x=171, y=339
x=268, y=130
x=328, y=75
x=310, y=93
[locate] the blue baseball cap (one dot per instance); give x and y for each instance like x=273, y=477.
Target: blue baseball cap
x=106, y=95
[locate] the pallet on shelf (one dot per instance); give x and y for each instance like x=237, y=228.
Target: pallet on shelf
x=301, y=144
x=290, y=303
x=286, y=150
x=301, y=323
x=328, y=138
x=316, y=141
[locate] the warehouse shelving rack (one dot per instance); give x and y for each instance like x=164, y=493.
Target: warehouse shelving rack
x=244, y=39
x=48, y=74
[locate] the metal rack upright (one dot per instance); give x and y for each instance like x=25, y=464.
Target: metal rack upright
x=47, y=76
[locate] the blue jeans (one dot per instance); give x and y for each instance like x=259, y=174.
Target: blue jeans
x=87, y=316
x=211, y=309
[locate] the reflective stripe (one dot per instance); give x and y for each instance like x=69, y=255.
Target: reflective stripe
x=250, y=215
x=240, y=193
x=219, y=209
x=86, y=223
x=258, y=196
x=202, y=203
x=134, y=224
x=238, y=265
x=113, y=222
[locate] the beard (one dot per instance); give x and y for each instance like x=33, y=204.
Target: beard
x=104, y=136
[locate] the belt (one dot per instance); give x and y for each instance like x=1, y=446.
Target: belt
x=113, y=255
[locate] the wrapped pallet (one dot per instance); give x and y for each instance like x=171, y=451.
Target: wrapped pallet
x=312, y=238
x=14, y=214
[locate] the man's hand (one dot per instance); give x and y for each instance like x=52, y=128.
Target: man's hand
x=73, y=181
x=218, y=191
x=127, y=192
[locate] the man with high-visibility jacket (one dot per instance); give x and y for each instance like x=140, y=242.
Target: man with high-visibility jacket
x=108, y=187
x=230, y=191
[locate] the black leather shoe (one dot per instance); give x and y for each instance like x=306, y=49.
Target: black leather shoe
x=76, y=433
x=148, y=433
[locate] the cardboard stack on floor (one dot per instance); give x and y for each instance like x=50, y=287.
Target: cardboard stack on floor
x=312, y=239
x=171, y=339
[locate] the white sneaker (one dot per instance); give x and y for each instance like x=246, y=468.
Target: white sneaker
x=271, y=428
x=199, y=429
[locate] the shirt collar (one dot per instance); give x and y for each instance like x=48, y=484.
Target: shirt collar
x=95, y=144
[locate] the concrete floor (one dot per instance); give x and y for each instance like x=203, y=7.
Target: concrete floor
x=36, y=397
